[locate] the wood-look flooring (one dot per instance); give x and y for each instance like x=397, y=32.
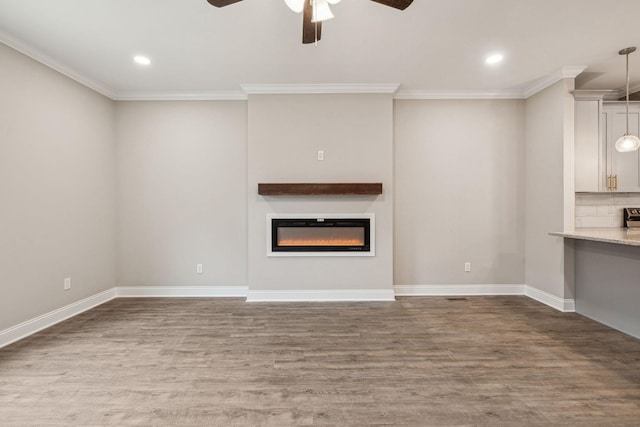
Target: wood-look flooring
x=485, y=361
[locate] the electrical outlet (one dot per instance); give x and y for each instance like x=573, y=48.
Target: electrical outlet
x=199, y=268
x=467, y=266
x=67, y=283
x=320, y=155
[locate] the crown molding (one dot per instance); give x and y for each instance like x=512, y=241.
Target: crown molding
x=622, y=92
x=596, y=94
x=540, y=84
x=229, y=95
x=285, y=89
x=461, y=94
x=570, y=72
x=44, y=59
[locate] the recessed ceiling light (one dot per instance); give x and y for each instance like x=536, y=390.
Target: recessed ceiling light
x=142, y=60
x=494, y=59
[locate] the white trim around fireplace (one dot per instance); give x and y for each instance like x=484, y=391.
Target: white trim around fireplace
x=372, y=235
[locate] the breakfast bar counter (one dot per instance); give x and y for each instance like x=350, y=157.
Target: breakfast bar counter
x=620, y=236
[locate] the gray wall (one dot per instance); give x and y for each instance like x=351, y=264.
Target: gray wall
x=459, y=182
x=182, y=193
x=549, y=187
x=187, y=173
x=285, y=134
x=57, y=189
x=180, y=159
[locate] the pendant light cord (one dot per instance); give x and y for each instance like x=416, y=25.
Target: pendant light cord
x=627, y=94
x=627, y=142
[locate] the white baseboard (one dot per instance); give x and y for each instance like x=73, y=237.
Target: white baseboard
x=39, y=323
x=561, y=304
x=565, y=305
x=321, y=295
x=181, y=291
x=457, y=290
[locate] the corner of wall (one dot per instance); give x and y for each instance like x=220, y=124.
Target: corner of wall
x=550, y=184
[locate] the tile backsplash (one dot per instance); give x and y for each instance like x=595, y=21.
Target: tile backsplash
x=603, y=209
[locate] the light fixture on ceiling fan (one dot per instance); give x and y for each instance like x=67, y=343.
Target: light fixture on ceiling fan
x=627, y=142
x=314, y=12
x=319, y=11
x=320, y=8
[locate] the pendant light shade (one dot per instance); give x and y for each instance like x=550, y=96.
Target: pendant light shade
x=627, y=142
x=321, y=11
x=296, y=5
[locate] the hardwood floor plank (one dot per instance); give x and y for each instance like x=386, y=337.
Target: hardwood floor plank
x=487, y=361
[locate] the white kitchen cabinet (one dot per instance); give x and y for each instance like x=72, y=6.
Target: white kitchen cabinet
x=589, y=164
x=623, y=169
x=598, y=125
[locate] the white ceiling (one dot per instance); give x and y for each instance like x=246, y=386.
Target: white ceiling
x=434, y=45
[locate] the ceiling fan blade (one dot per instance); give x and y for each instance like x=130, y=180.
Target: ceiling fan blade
x=398, y=4
x=222, y=3
x=311, y=31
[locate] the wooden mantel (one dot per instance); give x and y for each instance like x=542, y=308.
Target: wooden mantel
x=319, y=189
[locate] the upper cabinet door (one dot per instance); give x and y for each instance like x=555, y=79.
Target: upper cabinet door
x=588, y=151
x=623, y=167
x=599, y=167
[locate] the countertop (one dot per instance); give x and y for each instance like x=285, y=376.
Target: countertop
x=620, y=236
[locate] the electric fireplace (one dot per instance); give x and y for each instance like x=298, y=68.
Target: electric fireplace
x=322, y=234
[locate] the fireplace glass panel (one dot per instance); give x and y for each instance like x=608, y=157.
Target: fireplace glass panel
x=334, y=236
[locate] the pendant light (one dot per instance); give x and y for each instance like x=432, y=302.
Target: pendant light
x=627, y=142
x=321, y=10
x=295, y=5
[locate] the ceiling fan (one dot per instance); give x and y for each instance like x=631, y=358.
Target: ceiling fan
x=314, y=12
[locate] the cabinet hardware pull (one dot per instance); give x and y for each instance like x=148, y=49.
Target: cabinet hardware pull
x=615, y=186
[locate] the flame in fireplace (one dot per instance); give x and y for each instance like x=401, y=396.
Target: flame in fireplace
x=321, y=242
